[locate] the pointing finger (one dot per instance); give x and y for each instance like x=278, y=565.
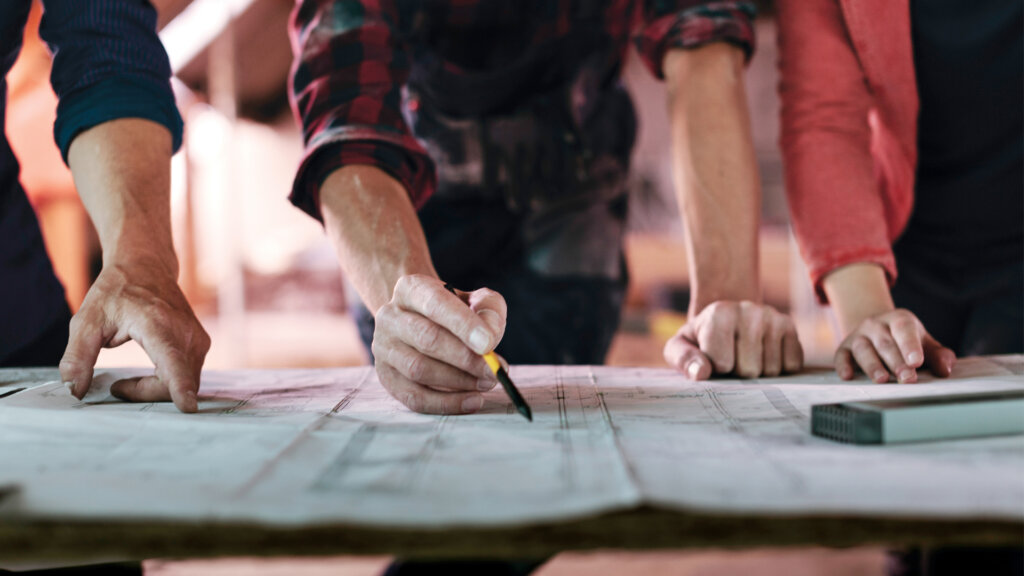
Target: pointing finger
x=177, y=366
x=84, y=343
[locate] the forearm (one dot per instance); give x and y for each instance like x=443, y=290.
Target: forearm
x=122, y=171
x=857, y=292
x=375, y=231
x=715, y=172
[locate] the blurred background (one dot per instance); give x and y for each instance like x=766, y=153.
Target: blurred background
x=266, y=283
x=260, y=273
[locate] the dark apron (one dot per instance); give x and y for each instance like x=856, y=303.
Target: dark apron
x=546, y=132
x=531, y=149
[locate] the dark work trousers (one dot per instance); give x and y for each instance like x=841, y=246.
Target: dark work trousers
x=974, y=307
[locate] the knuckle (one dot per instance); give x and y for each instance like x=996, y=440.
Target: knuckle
x=412, y=401
x=417, y=368
x=203, y=341
x=425, y=335
x=78, y=321
x=385, y=315
x=403, y=285
x=67, y=364
x=860, y=344
x=871, y=325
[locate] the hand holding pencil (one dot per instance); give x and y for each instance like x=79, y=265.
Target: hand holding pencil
x=428, y=345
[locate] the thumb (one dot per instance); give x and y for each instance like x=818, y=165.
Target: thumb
x=939, y=359
x=683, y=353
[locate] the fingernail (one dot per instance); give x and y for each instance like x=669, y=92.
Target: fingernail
x=485, y=384
x=907, y=376
x=881, y=376
x=479, y=340
x=693, y=369
x=472, y=404
x=914, y=358
x=71, y=388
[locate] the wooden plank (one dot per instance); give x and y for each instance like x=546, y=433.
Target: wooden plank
x=640, y=529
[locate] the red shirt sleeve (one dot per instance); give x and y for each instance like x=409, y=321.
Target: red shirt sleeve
x=835, y=203
x=346, y=91
x=691, y=23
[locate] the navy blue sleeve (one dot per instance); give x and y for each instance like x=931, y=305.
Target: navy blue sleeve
x=108, y=63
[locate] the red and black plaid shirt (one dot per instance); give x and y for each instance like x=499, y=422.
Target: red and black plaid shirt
x=352, y=58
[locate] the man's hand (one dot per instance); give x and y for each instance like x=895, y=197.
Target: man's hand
x=428, y=343
x=122, y=172
x=742, y=338
x=893, y=343
x=141, y=303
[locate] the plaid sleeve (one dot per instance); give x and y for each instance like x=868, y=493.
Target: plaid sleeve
x=691, y=23
x=345, y=89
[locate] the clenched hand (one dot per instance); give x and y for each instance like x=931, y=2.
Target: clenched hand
x=742, y=338
x=427, y=345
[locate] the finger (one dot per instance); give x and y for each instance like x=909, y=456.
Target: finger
x=792, y=352
x=750, y=340
x=430, y=339
x=145, y=389
x=886, y=348
x=424, y=400
x=905, y=331
x=866, y=357
x=428, y=297
x=424, y=370
x=491, y=307
x=939, y=359
x=85, y=339
x=178, y=365
x=682, y=353
x=772, y=352
x=716, y=335
x=844, y=363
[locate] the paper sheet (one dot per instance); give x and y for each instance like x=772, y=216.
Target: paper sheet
x=330, y=446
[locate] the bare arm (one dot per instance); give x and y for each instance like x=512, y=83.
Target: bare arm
x=122, y=171
x=715, y=171
x=426, y=344
x=720, y=198
x=879, y=338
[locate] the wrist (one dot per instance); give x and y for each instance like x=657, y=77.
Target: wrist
x=375, y=230
x=857, y=292
x=700, y=299
x=130, y=252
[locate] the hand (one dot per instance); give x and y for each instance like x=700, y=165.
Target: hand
x=745, y=338
x=143, y=303
x=892, y=343
x=427, y=345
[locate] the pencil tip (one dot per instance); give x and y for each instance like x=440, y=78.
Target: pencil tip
x=526, y=412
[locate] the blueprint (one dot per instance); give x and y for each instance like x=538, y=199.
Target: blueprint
x=306, y=447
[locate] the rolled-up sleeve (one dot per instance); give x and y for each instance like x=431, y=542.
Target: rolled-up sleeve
x=346, y=91
x=691, y=23
x=835, y=203
x=108, y=63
